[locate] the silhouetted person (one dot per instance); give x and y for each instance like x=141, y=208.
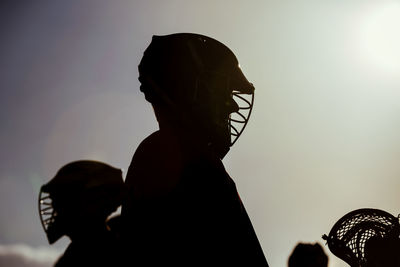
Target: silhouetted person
x=76, y=203
x=183, y=209
x=308, y=255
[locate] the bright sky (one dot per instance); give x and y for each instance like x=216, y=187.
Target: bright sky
x=323, y=139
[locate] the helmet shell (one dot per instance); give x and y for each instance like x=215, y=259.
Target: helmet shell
x=78, y=185
x=175, y=62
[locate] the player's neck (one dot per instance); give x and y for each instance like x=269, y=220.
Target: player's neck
x=88, y=231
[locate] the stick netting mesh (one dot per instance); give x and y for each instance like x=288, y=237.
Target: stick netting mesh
x=349, y=235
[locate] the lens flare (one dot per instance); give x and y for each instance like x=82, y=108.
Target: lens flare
x=378, y=38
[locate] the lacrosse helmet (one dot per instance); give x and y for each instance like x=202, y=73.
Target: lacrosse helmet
x=200, y=81
x=80, y=189
x=354, y=236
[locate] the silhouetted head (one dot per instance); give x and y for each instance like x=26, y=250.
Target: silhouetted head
x=191, y=80
x=308, y=255
x=81, y=192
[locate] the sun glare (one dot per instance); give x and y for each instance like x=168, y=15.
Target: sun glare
x=379, y=38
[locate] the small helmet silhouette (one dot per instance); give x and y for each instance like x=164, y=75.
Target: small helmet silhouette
x=356, y=232
x=199, y=79
x=310, y=255
x=79, y=189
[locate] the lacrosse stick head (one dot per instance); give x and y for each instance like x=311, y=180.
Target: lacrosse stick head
x=355, y=234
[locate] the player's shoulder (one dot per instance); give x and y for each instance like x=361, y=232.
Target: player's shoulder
x=148, y=147
x=155, y=166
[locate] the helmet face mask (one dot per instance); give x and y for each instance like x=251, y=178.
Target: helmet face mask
x=48, y=217
x=223, y=111
x=198, y=78
x=46, y=209
x=239, y=119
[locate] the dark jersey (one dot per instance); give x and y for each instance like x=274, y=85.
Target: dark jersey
x=102, y=250
x=195, y=219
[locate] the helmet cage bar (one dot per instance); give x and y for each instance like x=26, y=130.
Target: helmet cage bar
x=234, y=131
x=46, y=210
x=239, y=119
x=241, y=116
x=48, y=220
